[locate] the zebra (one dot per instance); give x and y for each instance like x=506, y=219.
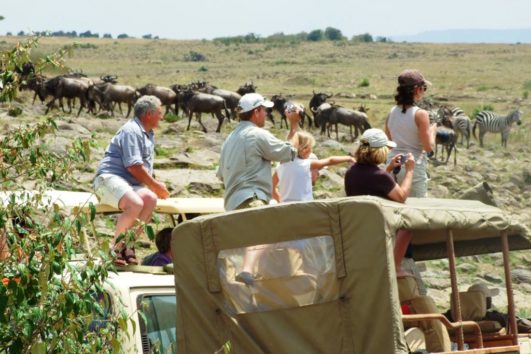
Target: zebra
x=461, y=124
x=456, y=119
x=491, y=122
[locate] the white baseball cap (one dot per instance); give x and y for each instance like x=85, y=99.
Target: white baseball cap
x=376, y=138
x=250, y=101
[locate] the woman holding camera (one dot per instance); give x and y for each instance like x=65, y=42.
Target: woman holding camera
x=409, y=127
x=366, y=178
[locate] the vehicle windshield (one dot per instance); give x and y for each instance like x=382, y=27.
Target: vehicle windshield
x=159, y=331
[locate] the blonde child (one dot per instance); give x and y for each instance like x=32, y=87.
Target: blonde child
x=294, y=179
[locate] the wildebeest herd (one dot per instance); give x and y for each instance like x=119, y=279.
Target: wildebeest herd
x=104, y=94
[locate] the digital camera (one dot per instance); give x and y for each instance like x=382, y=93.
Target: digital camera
x=292, y=107
x=403, y=159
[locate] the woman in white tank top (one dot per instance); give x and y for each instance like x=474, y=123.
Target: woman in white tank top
x=409, y=127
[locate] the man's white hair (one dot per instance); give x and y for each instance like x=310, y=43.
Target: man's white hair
x=146, y=104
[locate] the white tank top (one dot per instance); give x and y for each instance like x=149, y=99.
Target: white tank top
x=404, y=131
x=295, y=180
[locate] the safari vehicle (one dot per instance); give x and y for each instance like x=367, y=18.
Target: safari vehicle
x=135, y=289
x=146, y=289
x=324, y=278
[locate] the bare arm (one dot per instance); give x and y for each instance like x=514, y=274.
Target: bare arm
x=140, y=173
x=386, y=128
x=426, y=131
x=332, y=160
x=275, y=194
x=293, y=118
x=400, y=192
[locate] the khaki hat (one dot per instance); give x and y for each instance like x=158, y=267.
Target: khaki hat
x=481, y=287
x=251, y=101
x=376, y=138
x=411, y=77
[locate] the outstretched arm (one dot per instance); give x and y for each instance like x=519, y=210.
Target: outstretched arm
x=332, y=160
x=274, y=192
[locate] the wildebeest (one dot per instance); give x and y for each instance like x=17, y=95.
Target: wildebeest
x=110, y=94
x=446, y=137
x=166, y=95
x=248, y=87
x=329, y=115
x=198, y=102
x=66, y=87
x=280, y=103
x=231, y=98
x=317, y=100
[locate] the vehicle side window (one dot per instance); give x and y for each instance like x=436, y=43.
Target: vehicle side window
x=103, y=311
x=157, y=323
x=279, y=275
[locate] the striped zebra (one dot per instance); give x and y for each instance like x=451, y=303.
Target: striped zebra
x=491, y=122
x=462, y=125
x=456, y=119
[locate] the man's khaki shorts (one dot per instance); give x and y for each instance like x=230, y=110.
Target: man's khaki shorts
x=111, y=188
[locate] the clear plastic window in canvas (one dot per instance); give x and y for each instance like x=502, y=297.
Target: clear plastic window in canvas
x=279, y=275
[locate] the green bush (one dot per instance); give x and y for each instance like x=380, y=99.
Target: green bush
x=525, y=95
x=171, y=118
x=202, y=69
x=364, y=83
x=315, y=36
x=47, y=303
x=194, y=56
x=480, y=108
x=527, y=85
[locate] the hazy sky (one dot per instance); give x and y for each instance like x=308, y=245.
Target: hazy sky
x=197, y=19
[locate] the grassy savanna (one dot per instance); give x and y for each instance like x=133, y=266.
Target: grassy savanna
x=464, y=75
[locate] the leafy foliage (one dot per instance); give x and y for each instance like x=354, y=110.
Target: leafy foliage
x=315, y=35
x=333, y=34
x=480, y=108
x=47, y=296
x=194, y=56
x=365, y=37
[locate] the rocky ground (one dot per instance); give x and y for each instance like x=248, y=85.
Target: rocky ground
x=187, y=160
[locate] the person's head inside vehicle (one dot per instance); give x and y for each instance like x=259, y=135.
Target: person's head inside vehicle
x=163, y=241
x=488, y=292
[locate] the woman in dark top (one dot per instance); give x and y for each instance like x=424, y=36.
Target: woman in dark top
x=366, y=178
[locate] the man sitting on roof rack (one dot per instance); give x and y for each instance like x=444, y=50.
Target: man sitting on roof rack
x=124, y=178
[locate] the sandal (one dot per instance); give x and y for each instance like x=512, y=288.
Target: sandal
x=118, y=258
x=128, y=254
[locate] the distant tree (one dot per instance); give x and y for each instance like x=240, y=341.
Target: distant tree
x=21, y=34
x=156, y=37
x=107, y=35
x=383, y=39
x=365, y=37
x=89, y=34
x=251, y=38
x=122, y=36
x=333, y=34
x=315, y=35
x=9, y=34
x=1, y=18
x=147, y=36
